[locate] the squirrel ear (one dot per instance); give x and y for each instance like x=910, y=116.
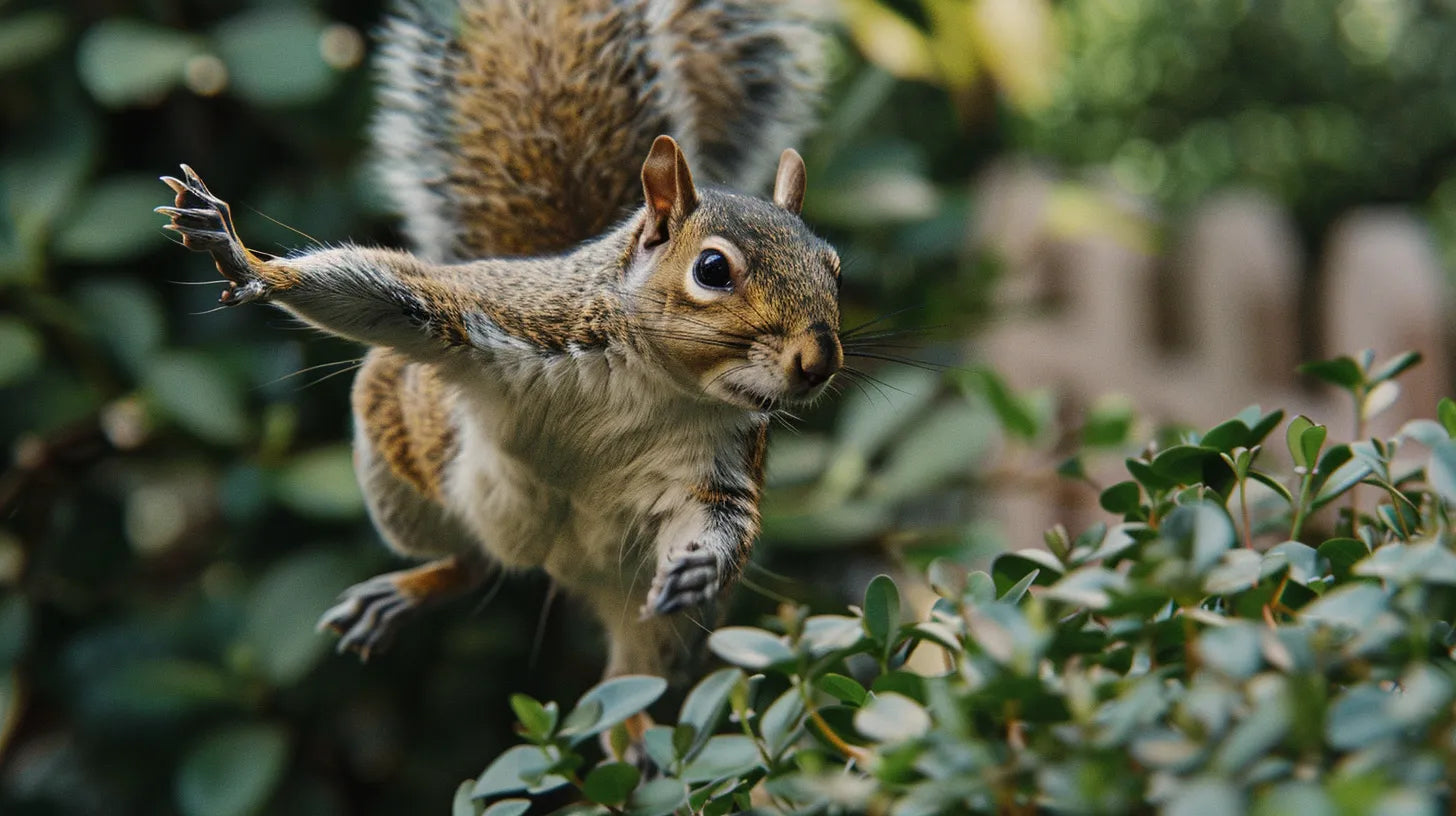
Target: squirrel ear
x=667, y=184
x=789, y=182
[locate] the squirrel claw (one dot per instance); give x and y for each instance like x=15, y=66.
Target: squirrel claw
x=205, y=223
x=688, y=581
x=367, y=616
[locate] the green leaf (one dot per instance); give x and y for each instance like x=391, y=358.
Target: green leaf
x=321, y=484
x=1345, y=477
x=823, y=634
x=29, y=37
x=891, y=717
x=980, y=587
x=127, y=62
x=191, y=388
x=1427, y=432
x=657, y=741
x=1441, y=471
x=1379, y=399
x=1087, y=587
x=750, y=648
x=1151, y=481
x=1166, y=749
x=1234, y=649
x=1274, y=485
x=1352, y=607
x=882, y=610
x=125, y=317
x=1424, y=562
x=1293, y=438
x=1341, y=371
x=944, y=445
x=1425, y=692
x=233, y=771
x=1303, y=560
x=843, y=688
x=1202, y=532
x=507, y=807
x=1310, y=443
x=584, y=715
x=1227, y=436
x=1259, y=426
x=283, y=609
x=1206, y=797
x=1254, y=736
x=1108, y=422
x=113, y=221
x=705, y=704
x=1394, y=367
x=1122, y=498
x=868, y=420
x=1239, y=570
x=725, y=756
x=1446, y=412
x=520, y=768
x=537, y=721
x=464, y=805
x=1182, y=464
x=1009, y=569
x=15, y=624
x=1017, y=418
x=1303, y=798
x=947, y=578
x=1359, y=717
x=611, y=783
x=780, y=723
x=272, y=55
x=1342, y=554
x=163, y=687
x=619, y=698
x=20, y=351
x=1018, y=590
x=657, y=798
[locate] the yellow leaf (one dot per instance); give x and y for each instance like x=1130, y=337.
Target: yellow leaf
x=953, y=42
x=889, y=40
x=1017, y=41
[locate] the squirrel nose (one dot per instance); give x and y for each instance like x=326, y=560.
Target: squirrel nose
x=814, y=359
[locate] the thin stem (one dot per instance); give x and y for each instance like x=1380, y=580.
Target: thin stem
x=1301, y=507
x=1244, y=511
x=855, y=754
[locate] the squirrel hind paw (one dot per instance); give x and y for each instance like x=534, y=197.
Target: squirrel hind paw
x=367, y=616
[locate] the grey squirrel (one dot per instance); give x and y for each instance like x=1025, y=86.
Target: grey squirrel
x=576, y=367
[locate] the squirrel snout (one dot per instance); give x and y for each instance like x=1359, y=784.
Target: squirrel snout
x=812, y=359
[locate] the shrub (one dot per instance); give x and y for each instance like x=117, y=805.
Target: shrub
x=1160, y=662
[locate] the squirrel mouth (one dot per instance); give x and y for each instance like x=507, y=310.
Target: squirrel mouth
x=752, y=397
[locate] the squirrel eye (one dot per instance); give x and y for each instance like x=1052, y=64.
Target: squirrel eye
x=712, y=270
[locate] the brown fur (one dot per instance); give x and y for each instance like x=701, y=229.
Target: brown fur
x=441, y=578
x=404, y=410
x=553, y=122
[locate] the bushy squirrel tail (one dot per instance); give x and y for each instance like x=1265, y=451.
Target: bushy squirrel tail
x=512, y=127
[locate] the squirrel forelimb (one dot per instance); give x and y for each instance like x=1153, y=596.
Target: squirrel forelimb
x=206, y=225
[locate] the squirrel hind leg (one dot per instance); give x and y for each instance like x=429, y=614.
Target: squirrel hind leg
x=369, y=614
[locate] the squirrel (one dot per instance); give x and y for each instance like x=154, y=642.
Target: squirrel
x=576, y=366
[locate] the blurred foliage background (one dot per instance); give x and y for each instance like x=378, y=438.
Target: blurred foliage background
x=177, y=505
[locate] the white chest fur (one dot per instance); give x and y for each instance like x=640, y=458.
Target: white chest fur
x=578, y=461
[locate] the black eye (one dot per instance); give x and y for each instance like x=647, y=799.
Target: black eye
x=712, y=271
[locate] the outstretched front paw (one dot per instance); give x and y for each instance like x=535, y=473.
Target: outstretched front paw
x=689, y=580
x=206, y=225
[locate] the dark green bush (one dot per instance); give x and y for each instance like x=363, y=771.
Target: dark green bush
x=1160, y=662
